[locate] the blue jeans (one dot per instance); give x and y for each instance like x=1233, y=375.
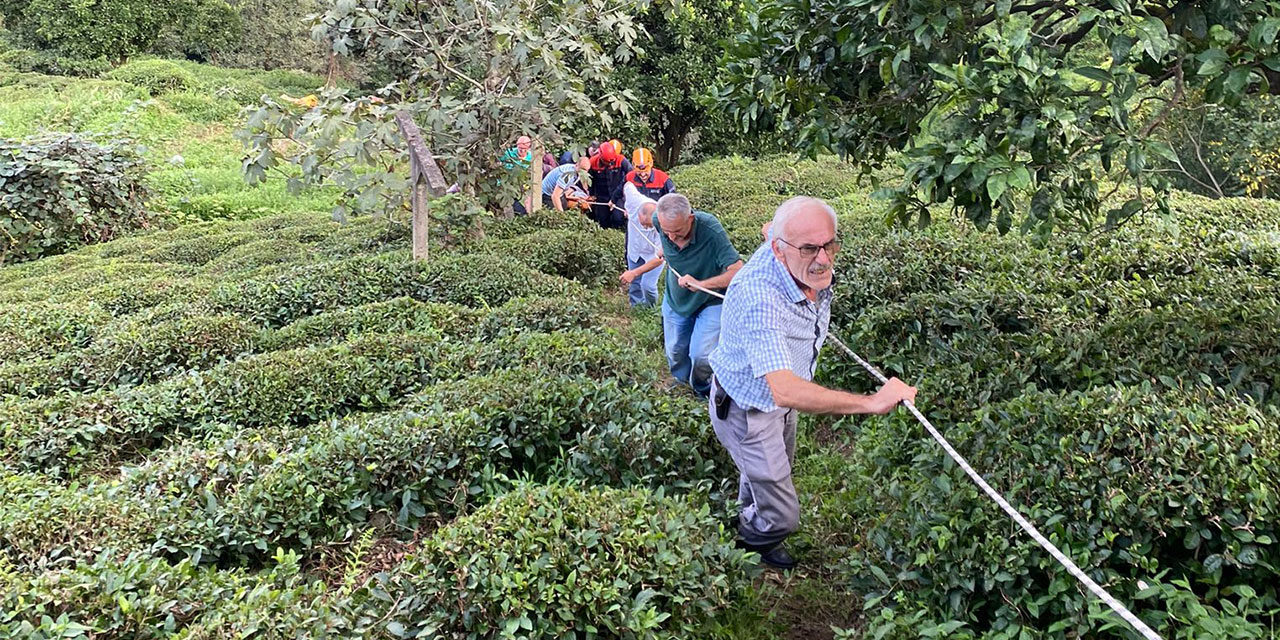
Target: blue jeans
x=644, y=290
x=689, y=342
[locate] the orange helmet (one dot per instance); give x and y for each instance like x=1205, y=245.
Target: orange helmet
x=642, y=159
x=616, y=144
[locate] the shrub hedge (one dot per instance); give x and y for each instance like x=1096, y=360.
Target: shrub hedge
x=469, y=280
x=562, y=562
x=1137, y=486
x=62, y=433
x=71, y=433
x=594, y=258
x=43, y=329
x=58, y=192
x=156, y=76
x=146, y=597
x=242, y=494
x=135, y=350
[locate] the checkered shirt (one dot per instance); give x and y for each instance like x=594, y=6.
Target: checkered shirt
x=767, y=325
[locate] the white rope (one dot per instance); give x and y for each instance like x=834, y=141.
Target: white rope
x=1026, y=525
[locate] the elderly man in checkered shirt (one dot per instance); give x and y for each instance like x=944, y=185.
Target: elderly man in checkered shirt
x=775, y=319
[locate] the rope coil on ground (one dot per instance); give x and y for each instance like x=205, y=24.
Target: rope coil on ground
x=1097, y=590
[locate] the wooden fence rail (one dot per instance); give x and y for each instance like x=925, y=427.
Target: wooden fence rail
x=424, y=175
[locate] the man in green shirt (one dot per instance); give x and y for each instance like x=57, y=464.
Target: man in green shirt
x=695, y=245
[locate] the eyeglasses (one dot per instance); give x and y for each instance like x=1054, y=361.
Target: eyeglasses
x=811, y=250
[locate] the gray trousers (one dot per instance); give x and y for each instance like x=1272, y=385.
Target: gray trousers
x=763, y=446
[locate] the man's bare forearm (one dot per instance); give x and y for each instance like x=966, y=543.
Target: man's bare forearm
x=793, y=392
x=648, y=266
x=722, y=281
x=809, y=397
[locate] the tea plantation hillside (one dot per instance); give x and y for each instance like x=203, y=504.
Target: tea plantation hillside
x=283, y=427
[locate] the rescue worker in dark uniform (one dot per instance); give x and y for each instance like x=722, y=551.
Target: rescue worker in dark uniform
x=649, y=181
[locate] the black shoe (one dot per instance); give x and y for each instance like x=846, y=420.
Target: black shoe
x=779, y=558
x=775, y=555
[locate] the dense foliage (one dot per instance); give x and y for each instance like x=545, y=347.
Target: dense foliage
x=679, y=54
x=1121, y=389
x=63, y=191
x=991, y=110
x=288, y=428
x=1222, y=150
x=112, y=31
x=474, y=76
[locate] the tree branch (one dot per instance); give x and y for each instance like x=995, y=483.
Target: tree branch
x=1176, y=98
x=1022, y=8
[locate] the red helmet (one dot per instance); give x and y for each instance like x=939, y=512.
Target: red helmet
x=608, y=154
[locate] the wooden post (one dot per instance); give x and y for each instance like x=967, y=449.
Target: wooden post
x=535, y=174
x=424, y=176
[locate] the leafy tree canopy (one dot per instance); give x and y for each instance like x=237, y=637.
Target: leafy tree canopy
x=990, y=103
x=475, y=75
x=680, y=57
x=118, y=29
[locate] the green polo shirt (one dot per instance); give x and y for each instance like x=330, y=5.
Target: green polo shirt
x=707, y=255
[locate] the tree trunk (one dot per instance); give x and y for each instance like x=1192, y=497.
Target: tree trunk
x=671, y=141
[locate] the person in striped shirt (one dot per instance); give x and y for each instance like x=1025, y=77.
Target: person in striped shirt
x=776, y=314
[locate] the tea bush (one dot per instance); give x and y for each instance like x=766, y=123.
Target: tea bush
x=44, y=329
x=557, y=561
x=453, y=446
x=143, y=596
x=594, y=258
x=1133, y=484
x=397, y=315
x=468, y=280
x=542, y=314
x=156, y=76
x=667, y=444
x=133, y=351
x=61, y=433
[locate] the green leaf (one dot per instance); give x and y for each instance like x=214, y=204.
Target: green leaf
x=1093, y=73
x=1236, y=82
x=1264, y=33
x=1154, y=37
x=1020, y=178
x=1121, y=45
x=996, y=186
x=1212, y=62
x=1004, y=220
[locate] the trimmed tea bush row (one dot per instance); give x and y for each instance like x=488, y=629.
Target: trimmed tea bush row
x=518, y=315
x=1135, y=485
x=142, y=596
x=63, y=433
x=986, y=341
x=66, y=434
x=168, y=340
x=43, y=329
x=594, y=258
x=557, y=562
x=455, y=445
x=637, y=561
x=470, y=280
x=135, y=350
x=75, y=285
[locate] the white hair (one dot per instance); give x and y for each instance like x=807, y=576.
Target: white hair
x=787, y=210
x=673, y=207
